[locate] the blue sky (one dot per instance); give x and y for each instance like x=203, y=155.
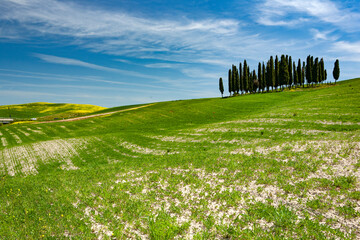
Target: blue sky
x=113, y=53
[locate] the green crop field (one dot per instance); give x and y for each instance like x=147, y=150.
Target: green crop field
x=47, y=111
x=262, y=166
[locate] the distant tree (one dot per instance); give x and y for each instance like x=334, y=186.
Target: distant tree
x=230, y=81
x=284, y=71
x=277, y=65
x=303, y=74
x=241, y=78
x=272, y=73
x=308, y=70
x=291, y=80
x=263, y=76
x=246, y=77
x=295, y=77
x=235, y=77
x=221, y=87
x=325, y=75
x=315, y=76
x=250, y=83
x=321, y=70
x=255, y=82
x=336, y=71
x=260, y=77
x=299, y=72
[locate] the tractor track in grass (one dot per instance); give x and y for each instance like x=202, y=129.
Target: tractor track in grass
x=94, y=115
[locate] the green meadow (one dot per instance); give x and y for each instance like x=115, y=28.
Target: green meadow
x=282, y=165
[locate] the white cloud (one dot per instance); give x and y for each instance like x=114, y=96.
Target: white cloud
x=120, y=33
x=284, y=12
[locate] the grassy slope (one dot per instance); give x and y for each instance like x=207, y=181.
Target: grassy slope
x=47, y=111
x=256, y=166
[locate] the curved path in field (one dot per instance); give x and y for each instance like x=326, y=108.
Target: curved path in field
x=94, y=115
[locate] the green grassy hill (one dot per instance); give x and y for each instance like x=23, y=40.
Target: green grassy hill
x=272, y=165
x=47, y=111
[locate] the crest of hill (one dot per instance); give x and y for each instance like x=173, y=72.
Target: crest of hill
x=47, y=111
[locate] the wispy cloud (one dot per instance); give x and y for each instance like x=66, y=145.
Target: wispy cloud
x=284, y=12
x=76, y=62
x=120, y=33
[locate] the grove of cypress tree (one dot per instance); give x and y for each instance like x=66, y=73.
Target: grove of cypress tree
x=221, y=87
x=336, y=71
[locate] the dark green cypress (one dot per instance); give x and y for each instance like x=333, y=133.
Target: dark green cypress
x=260, y=77
x=272, y=73
x=299, y=73
x=221, y=87
x=325, y=74
x=249, y=80
x=284, y=71
x=336, y=71
x=230, y=81
x=303, y=74
x=295, y=78
x=241, y=78
x=291, y=81
x=263, y=76
x=246, y=77
x=308, y=70
x=277, y=64
x=315, y=75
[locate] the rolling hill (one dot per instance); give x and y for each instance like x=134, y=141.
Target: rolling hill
x=272, y=165
x=47, y=111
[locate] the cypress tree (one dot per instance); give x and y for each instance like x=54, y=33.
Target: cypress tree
x=268, y=79
x=321, y=70
x=336, y=71
x=291, y=81
x=221, y=87
x=284, y=71
x=260, y=77
x=295, y=78
x=255, y=82
x=250, y=85
x=246, y=77
x=230, y=81
x=303, y=74
x=299, y=74
x=325, y=74
x=308, y=70
x=277, y=81
x=272, y=73
x=241, y=78
x=315, y=75
x=263, y=76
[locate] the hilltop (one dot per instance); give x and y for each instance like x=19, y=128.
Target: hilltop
x=265, y=165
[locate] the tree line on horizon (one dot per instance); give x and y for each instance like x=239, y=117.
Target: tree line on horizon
x=276, y=75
